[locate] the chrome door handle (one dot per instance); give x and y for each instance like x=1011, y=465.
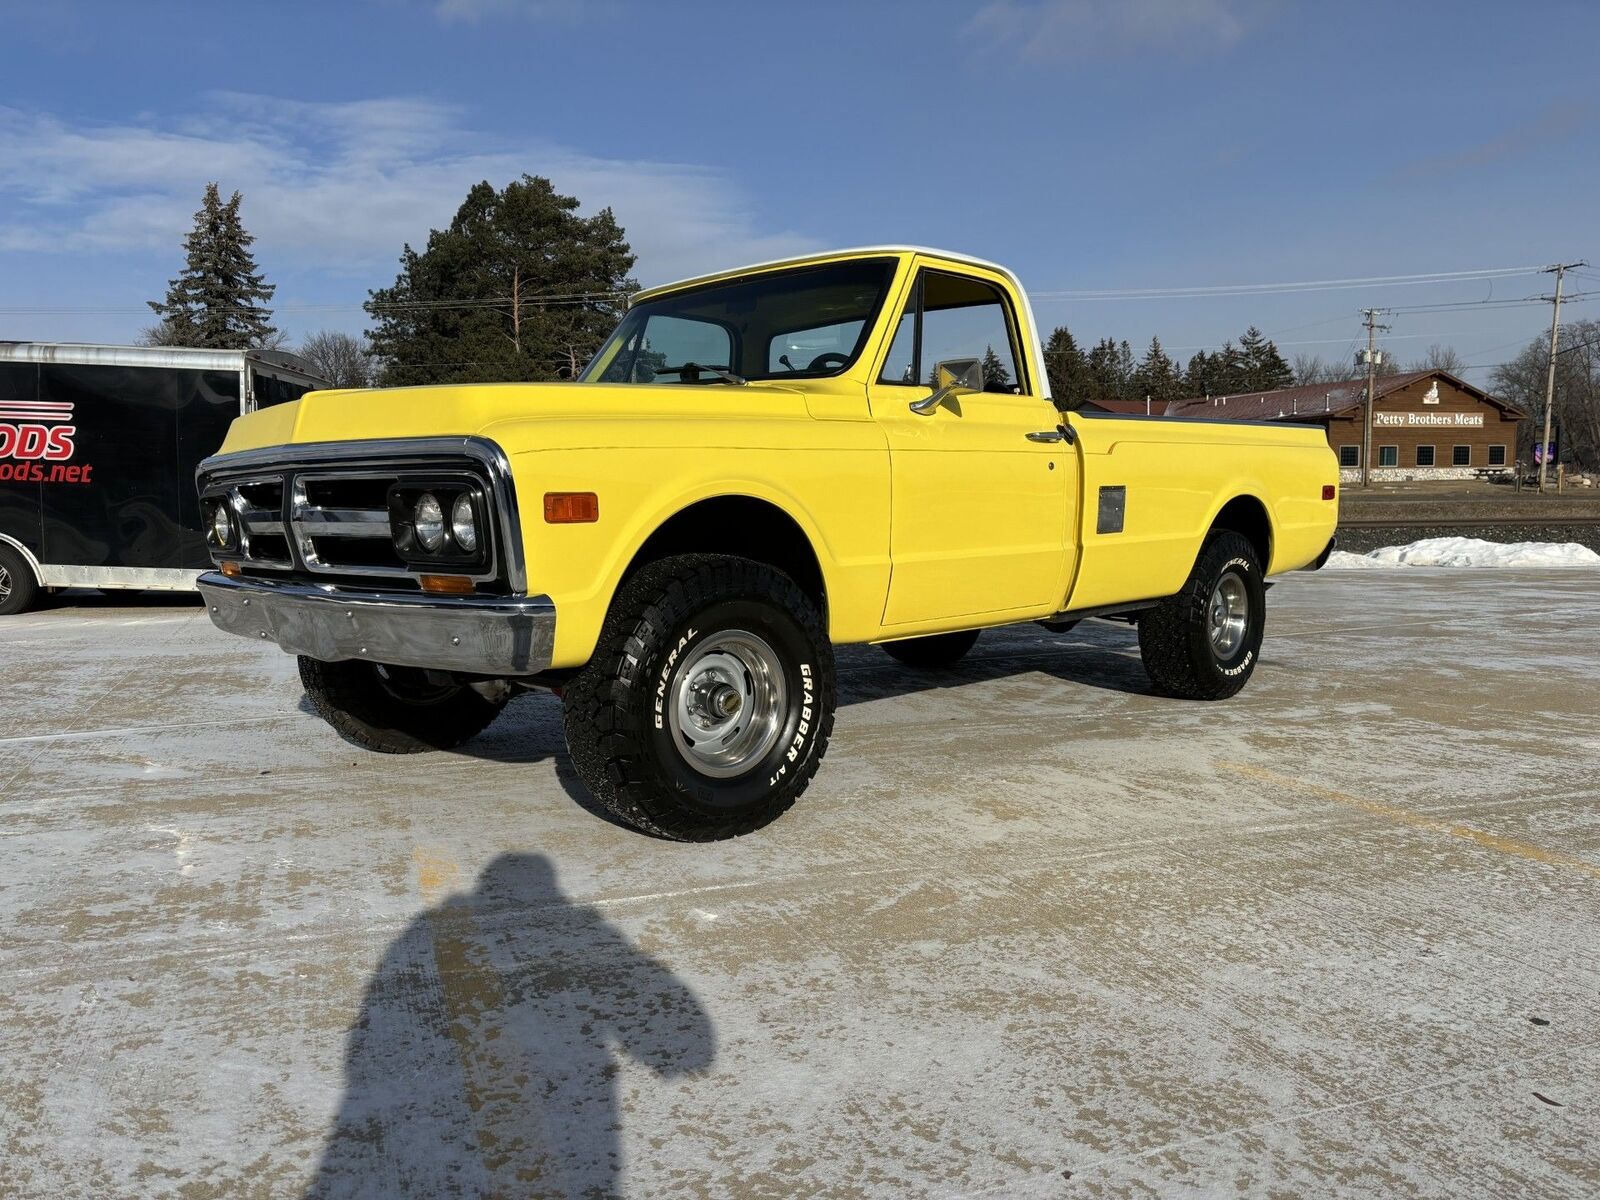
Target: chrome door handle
x=1048, y=435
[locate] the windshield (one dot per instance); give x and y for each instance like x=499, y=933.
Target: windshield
x=799, y=324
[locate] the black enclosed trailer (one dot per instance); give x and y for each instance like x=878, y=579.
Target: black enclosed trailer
x=98, y=449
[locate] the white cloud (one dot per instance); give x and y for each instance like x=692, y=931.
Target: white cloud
x=1053, y=29
x=339, y=187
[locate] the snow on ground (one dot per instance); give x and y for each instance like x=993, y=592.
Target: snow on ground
x=1468, y=552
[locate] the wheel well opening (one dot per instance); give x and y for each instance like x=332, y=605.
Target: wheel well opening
x=1247, y=516
x=742, y=526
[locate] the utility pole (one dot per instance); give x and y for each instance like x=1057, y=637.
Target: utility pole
x=1370, y=318
x=1559, y=270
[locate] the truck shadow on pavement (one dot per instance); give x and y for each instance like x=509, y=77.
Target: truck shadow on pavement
x=484, y=1058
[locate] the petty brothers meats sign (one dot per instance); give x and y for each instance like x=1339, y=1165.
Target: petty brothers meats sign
x=1456, y=419
x=37, y=442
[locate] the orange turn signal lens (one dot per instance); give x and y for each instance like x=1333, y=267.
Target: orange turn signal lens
x=1329, y=491
x=447, y=585
x=231, y=569
x=571, y=508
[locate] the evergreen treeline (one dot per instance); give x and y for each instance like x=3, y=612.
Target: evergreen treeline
x=1108, y=370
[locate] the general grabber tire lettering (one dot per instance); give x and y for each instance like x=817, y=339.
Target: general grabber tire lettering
x=394, y=710
x=18, y=588
x=708, y=703
x=1204, y=643
x=936, y=650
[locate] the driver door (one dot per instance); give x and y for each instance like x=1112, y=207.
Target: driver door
x=980, y=512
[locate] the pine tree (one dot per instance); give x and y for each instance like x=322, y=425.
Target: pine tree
x=1263, y=369
x=1125, y=371
x=996, y=378
x=1067, y=368
x=1156, y=377
x=1106, y=380
x=468, y=307
x=218, y=301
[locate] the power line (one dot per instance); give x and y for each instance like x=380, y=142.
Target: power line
x=1305, y=285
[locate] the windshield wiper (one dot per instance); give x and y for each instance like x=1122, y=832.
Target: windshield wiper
x=693, y=368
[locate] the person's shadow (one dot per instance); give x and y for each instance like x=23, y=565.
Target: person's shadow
x=482, y=1063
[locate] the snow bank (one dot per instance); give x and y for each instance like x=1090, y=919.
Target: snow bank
x=1467, y=552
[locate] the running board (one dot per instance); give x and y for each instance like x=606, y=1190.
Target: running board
x=1125, y=611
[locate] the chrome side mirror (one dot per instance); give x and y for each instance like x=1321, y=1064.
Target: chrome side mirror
x=953, y=375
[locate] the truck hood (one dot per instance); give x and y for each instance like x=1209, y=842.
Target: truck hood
x=464, y=410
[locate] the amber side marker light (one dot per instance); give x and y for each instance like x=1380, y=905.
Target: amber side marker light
x=447, y=585
x=571, y=508
x=231, y=569
x=1329, y=491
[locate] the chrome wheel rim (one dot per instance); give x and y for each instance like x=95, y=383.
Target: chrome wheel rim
x=1228, y=614
x=5, y=582
x=727, y=702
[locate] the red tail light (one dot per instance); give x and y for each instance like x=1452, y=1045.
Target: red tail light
x=1329, y=491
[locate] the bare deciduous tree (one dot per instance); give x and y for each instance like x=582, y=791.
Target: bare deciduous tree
x=1577, y=398
x=339, y=358
x=1439, y=358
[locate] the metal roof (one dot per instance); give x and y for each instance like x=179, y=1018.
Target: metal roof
x=1314, y=400
x=185, y=357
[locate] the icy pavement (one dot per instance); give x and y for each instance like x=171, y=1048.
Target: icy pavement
x=1032, y=932
x=1468, y=552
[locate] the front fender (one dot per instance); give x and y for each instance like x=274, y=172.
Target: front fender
x=838, y=500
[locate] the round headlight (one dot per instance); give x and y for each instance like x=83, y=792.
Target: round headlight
x=221, y=525
x=463, y=523
x=428, y=520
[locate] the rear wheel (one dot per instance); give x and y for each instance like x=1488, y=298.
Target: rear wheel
x=395, y=710
x=1204, y=643
x=707, y=705
x=18, y=587
x=937, y=650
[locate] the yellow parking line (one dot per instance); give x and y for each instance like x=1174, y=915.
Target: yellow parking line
x=1489, y=841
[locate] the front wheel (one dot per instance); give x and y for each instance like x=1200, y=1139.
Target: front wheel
x=1204, y=643
x=395, y=710
x=708, y=703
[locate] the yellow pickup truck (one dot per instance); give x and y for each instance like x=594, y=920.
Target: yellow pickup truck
x=757, y=465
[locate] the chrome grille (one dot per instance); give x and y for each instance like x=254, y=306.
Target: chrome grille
x=258, y=506
x=340, y=523
x=325, y=517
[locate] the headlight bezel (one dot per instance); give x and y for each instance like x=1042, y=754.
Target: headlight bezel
x=448, y=491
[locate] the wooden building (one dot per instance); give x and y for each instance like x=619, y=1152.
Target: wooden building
x=1425, y=424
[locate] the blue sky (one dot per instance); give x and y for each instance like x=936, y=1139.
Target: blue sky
x=1092, y=146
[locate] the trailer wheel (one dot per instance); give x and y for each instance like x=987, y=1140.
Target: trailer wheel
x=707, y=705
x=394, y=710
x=18, y=587
x=934, y=651
x=1204, y=643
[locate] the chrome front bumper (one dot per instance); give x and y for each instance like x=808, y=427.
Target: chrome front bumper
x=482, y=635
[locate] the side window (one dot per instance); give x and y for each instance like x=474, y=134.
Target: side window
x=668, y=343
x=962, y=321
x=966, y=319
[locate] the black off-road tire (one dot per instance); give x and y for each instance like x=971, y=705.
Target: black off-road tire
x=1175, y=639
x=394, y=710
x=618, y=709
x=932, y=652
x=19, y=590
